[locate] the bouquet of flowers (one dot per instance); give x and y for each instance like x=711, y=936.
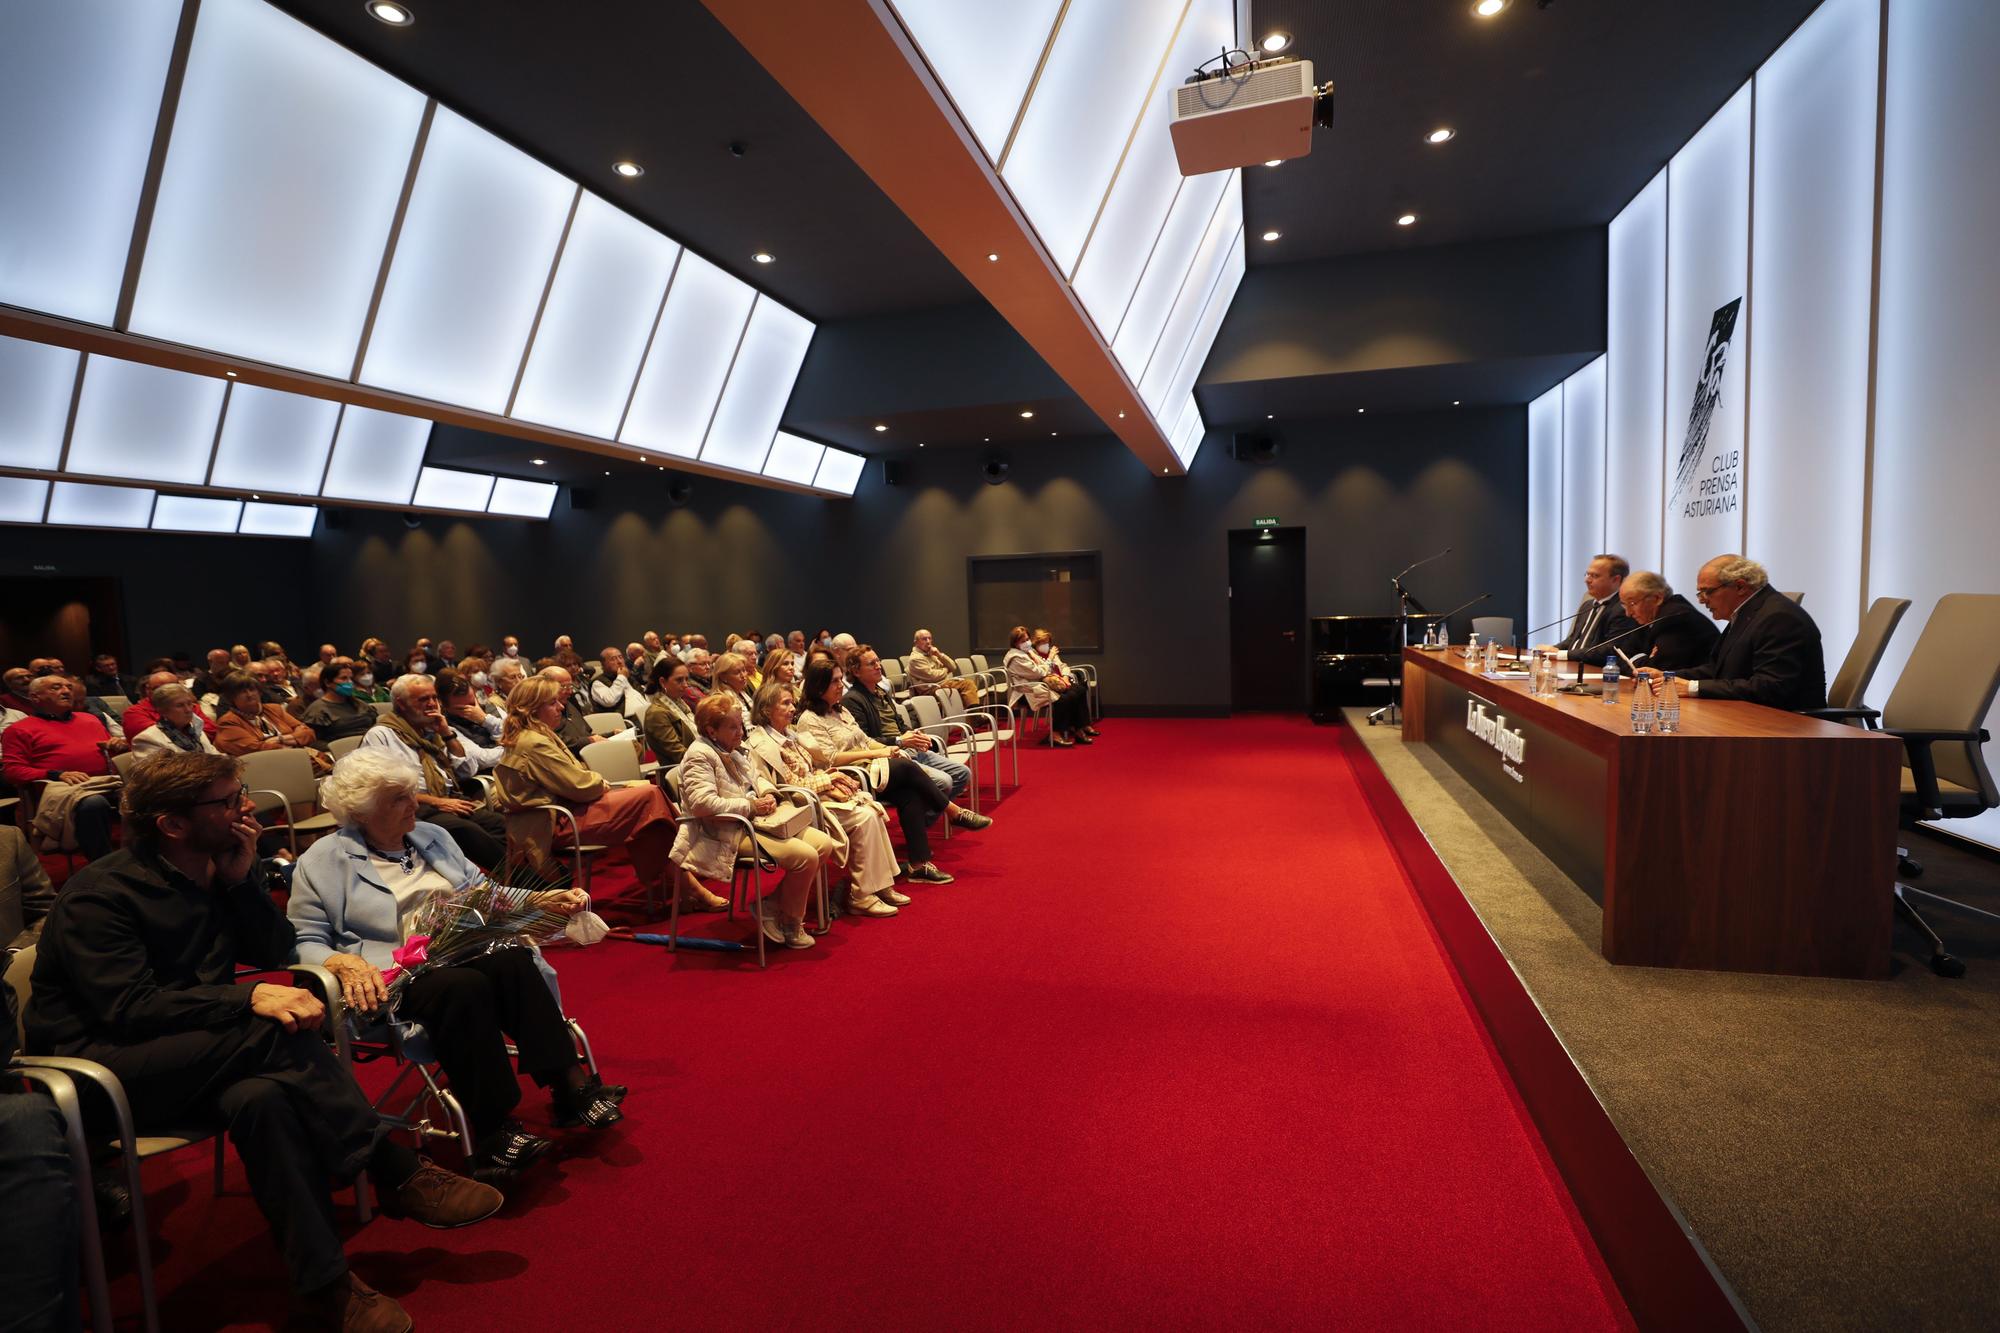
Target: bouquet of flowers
x=477, y=919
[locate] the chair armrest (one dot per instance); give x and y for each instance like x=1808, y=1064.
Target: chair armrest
x=812, y=799
x=1868, y=716
x=321, y=982
x=1923, y=767
x=764, y=858
x=87, y=1071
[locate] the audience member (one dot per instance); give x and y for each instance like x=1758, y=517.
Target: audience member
x=510, y=647
x=26, y=895
x=248, y=724
x=639, y=665
x=574, y=730
x=868, y=702
x=176, y=724
x=327, y=652
x=339, y=712
x=701, y=670
x=732, y=679
x=239, y=657
x=86, y=702
x=142, y=714
x=478, y=729
x=1030, y=676
x=67, y=749
x=931, y=670
x=415, y=732
x=104, y=679
x=417, y=662
x=670, y=725
x=614, y=690
x=796, y=641
x=445, y=655
x=208, y=684
x=902, y=783
x=780, y=667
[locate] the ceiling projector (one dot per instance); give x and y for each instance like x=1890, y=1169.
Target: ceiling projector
x=1249, y=112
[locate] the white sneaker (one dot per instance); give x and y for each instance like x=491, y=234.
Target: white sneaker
x=893, y=898
x=797, y=937
x=869, y=905
x=767, y=921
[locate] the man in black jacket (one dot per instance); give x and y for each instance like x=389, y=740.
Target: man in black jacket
x=1674, y=636
x=1600, y=616
x=874, y=711
x=1770, y=654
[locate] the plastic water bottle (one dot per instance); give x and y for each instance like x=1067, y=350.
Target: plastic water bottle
x=1610, y=695
x=1472, y=646
x=1544, y=673
x=1670, y=704
x=1492, y=662
x=1642, y=706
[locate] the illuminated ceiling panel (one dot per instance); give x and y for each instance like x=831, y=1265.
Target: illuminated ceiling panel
x=22, y=499
x=441, y=488
x=273, y=441
x=839, y=472
x=143, y=422
x=1221, y=292
x=773, y=349
x=288, y=157
x=600, y=312
x=189, y=513
x=984, y=55
x=36, y=383
x=73, y=504
x=376, y=456
x=1167, y=270
x=1223, y=239
x=471, y=263
x=793, y=459
x=269, y=520
x=699, y=329
x=80, y=83
x=522, y=499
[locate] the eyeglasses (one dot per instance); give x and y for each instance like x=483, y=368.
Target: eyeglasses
x=235, y=798
x=1703, y=594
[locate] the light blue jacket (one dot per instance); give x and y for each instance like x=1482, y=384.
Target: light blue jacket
x=338, y=906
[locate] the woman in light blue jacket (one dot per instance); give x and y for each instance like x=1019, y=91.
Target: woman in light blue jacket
x=354, y=897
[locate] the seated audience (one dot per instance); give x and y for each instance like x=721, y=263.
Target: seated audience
x=417, y=662
x=780, y=667
x=574, y=730
x=478, y=729
x=1030, y=676
x=137, y=971
x=66, y=748
x=510, y=647
x=857, y=822
x=176, y=725
x=327, y=652
x=207, y=685
x=732, y=680
x=86, y=702
x=247, y=724
x=869, y=703
x=339, y=712
x=142, y=714
x=445, y=655
x=701, y=670
x=796, y=642
x=26, y=895
x=639, y=665
x=239, y=658
x=718, y=779
x=931, y=670
x=1676, y=636
x=354, y=896
x=670, y=725
x=275, y=686
x=502, y=677
x=614, y=689
x=905, y=785
x=415, y=732
x=105, y=680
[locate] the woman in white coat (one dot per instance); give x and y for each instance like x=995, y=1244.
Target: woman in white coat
x=719, y=779
x=1031, y=676
x=858, y=822
x=176, y=730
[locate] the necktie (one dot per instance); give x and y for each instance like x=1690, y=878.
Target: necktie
x=1589, y=624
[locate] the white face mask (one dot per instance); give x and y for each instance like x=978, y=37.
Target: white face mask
x=420, y=666
x=513, y=650
x=479, y=679
x=365, y=679
x=1044, y=649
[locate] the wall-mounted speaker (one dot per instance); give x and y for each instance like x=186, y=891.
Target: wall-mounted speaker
x=582, y=497
x=1245, y=447
x=679, y=491
x=995, y=469
x=894, y=472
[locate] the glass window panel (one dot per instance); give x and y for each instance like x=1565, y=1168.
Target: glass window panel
x=273, y=441
x=839, y=472
x=269, y=520
x=471, y=263
x=1634, y=390
x=760, y=384
x=36, y=382
x=984, y=55
x=189, y=513
x=288, y=157
x=80, y=82
x=74, y=504
x=607, y=291
x=441, y=488
x=793, y=459
x=1195, y=355
x=1083, y=110
x=1217, y=246
x=22, y=499
x=144, y=422
x=376, y=456
x=1166, y=268
x=678, y=389
x=523, y=499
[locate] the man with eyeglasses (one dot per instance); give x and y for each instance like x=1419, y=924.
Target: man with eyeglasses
x=1600, y=616
x=137, y=970
x=1768, y=654
x=1673, y=635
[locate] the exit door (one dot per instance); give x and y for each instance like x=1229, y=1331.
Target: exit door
x=1267, y=620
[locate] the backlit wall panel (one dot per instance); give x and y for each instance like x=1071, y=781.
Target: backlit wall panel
x=521, y=499
x=794, y=459
x=1813, y=238
x=77, y=505
x=1635, y=377
x=839, y=472
x=191, y=513
x=376, y=456
x=472, y=260
x=684, y=373
x=269, y=520
x=1583, y=475
x=443, y=488
x=984, y=56
x=1708, y=271
x=22, y=499
x=288, y=156
x=600, y=311
x=1545, y=507
x=143, y=422
x=80, y=86
x=36, y=384
x=273, y=441
x=773, y=349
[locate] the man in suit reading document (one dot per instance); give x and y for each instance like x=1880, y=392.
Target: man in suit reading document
x=1770, y=653
x=1674, y=637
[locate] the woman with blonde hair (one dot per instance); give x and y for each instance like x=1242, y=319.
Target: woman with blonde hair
x=731, y=675
x=781, y=668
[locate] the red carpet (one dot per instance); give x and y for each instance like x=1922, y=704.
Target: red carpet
x=1177, y=1049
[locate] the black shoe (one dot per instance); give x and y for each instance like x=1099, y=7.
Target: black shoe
x=510, y=1149
x=1083, y=738
x=927, y=873
x=612, y=1091
x=114, y=1200
x=587, y=1108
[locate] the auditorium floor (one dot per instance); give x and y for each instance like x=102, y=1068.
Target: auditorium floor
x=1833, y=1144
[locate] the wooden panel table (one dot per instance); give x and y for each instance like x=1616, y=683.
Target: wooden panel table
x=1753, y=840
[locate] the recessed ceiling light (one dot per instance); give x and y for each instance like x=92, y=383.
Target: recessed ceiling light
x=1052, y=435
x=539, y=462
x=1275, y=162
x=764, y=257
x=986, y=439
x=920, y=444
x=255, y=496
x=993, y=259
x=230, y=373
x=1486, y=9
x=1121, y=416
x=629, y=170
x=1454, y=402
x=1270, y=416
x=1275, y=42
x=1361, y=409
x=607, y=473
x=880, y=429
x=1442, y=134
x=1407, y=220
x=1026, y=415
x=1272, y=235
x=386, y=11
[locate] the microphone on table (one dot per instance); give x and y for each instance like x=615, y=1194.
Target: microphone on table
x=1445, y=619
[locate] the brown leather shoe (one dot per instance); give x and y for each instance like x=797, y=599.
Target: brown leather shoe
x=438, y=1198
x=352, y=1306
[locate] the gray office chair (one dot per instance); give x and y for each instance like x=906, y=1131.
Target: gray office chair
x=1938, y=710
x=1798, y=597
x=1494, y=629
x=1845, y=698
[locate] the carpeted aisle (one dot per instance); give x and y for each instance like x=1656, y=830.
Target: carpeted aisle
x=1177, y=1049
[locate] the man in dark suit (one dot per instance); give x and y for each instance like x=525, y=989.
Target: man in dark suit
x=1674, y=636
x=1600, y=617
x=1770, y=654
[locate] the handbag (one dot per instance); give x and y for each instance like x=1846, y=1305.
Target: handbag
x=787, y=821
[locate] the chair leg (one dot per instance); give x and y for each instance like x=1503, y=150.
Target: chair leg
x=582, y=1040
x=62, y=1091
x=142, y=1245
x=1942, y=962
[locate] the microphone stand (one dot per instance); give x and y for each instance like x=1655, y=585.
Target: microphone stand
x=1392, y=712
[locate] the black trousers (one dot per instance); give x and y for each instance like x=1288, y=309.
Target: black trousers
x=93, y=818
x=297, y=1119
x=916, y=801
x=481, y=835
x=470, y=1009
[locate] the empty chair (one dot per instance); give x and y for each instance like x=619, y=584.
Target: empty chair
x=605, y=724
x=343, y=747
x=1798, y=597
x=281, y=783
x=1845, y=698
x=1495, y=629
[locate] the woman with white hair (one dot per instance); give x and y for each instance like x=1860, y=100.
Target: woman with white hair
x=354, y=898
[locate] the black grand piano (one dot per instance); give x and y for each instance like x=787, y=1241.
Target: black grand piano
x=1358, y=659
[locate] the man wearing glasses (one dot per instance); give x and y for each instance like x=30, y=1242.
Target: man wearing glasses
x=137, y=970
x=1770, y=652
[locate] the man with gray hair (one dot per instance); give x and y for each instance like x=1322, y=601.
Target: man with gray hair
x=1770, y=653
x=1672, y=636
x=932, y=669
x=416, y=731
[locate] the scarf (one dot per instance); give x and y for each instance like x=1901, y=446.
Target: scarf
x=188, y=739
x=431, y=753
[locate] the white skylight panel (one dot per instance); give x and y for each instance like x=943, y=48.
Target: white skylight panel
x=273, y=441
x=442, y=488
x=1084, y=106
x=522, y=499
x=269, y=520
x=376, y=456
x=760, y=384
x=839, y=472
x=699, y=329
x=189, y=513
x=1167, y=268
x=1175, y=334
x=984, y=55
x=144, y=422
x=471, y=264
x=1188, y=433
x=22, y=499
x=1215, y=305
x=80, y=85
x=793, y=459
x=287, y=159
x=74, y=504
x=36, y=382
